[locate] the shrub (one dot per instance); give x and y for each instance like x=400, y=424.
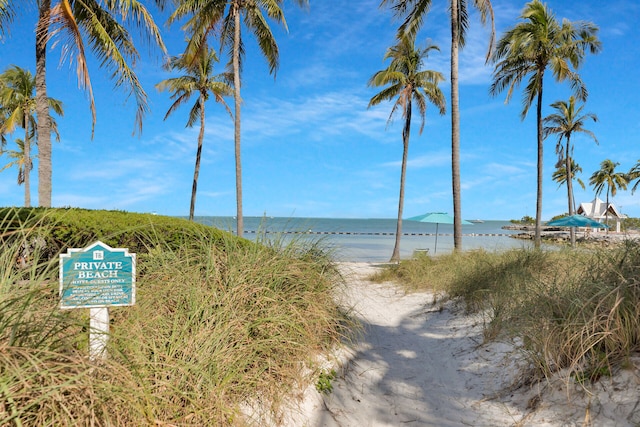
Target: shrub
x=577, y=310
x=219, y=322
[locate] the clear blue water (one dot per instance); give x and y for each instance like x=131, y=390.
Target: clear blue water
x=372, y=240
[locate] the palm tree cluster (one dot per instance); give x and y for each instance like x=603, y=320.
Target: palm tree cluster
x=103, y=27
x=17, y=108
x=527, y=51
x=80, y=26
x=566, y=121
x=412, y=14
x=537, y=45
x=223, y=19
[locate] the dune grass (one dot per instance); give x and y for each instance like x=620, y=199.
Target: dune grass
x=220, y=325
x=577, y=311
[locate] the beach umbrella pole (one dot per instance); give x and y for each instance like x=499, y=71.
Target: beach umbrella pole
x=435, y=249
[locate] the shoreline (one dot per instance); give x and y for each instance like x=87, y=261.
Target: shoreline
x=561, y=234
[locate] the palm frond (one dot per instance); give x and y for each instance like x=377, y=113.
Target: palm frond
x=255, y=20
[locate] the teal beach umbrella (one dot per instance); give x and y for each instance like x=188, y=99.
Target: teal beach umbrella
x=576, y=221
x=436, y=218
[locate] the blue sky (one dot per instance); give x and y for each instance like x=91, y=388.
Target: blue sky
x=310, y=146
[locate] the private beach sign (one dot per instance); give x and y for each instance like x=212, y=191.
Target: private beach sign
x=97, y=276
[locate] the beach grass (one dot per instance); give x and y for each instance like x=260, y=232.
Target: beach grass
x=577, y=312
x=223, y=330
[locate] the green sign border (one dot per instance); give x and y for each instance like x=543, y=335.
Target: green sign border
x=110, y=277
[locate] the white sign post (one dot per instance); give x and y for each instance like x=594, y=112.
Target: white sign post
x=98, y=332
x=97, y=277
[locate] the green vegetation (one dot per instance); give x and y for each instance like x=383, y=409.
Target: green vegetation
x=324, y=383
x=525, y=220
x=631, y=224
x=80, y=227
x=81, y=27
x=577, y=311
x=220, y=323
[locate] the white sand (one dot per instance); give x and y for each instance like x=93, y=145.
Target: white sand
x=420, y=364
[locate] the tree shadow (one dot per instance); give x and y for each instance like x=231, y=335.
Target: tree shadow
x=428, y=370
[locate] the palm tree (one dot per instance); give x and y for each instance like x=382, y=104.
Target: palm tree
x=17, y=87
x=634, y=175
x=607, y=177
x=414, y=12
x=407, y=83
x=24, y=161
x=207, y=16
x=564, y=122
x=528, y=49
x=560, y=175
x=6, y=15
x=99, y=26
x=198, y=79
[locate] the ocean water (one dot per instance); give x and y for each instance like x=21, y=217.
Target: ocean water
x=372, y=239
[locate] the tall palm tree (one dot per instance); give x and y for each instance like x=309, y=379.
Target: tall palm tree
x=607, y=177
x=407, y=83
x=414, y=12
x=198, y=79
x=101, y=27
x=17, y=99
x=528, y=49
x=564, y=122
x=226, y=17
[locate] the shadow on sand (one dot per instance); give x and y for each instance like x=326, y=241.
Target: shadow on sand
x=419, y=364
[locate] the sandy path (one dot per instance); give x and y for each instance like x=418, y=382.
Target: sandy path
x=420, y=364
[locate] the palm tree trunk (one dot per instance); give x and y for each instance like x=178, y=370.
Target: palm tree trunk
x=538, y=234
x=27, y=162
x=196, y=172
x=455, y=129
x=395, y=256
x=606, y=211
x=567, y=165
x=237, y=100
x=42, y=106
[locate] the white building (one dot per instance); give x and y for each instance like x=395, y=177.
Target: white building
x=598, y=211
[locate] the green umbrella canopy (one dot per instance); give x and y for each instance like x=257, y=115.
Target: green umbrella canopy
x=576, y=221
x=437, y=218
